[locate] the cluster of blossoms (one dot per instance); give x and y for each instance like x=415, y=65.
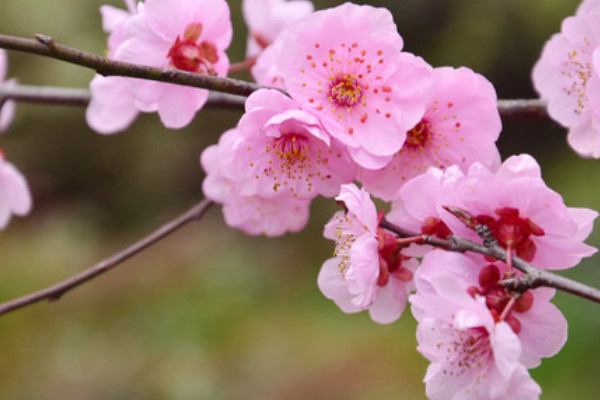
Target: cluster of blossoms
x=14, y=191
x=568, y=77
x=358, y=108
x=345, y=103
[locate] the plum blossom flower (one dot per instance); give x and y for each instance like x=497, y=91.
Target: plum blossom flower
x=14, y=192
x=473, y=354
x=183, y=34
x=460, y=127
x=568, y=76
x=267, y=18
x=112, y=106
x=284, y=150
x=368, y=270
x=345, y=65
x=253, y=214
x=524, y=215
x=7, y=110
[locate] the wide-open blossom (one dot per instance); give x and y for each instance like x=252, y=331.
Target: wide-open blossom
x=188, y=35
x=368, y=271
x=346, y=66
x=282, y=150
x=524, y=214
x=7, y=110
x=267, y=18
x=568, y=77
x=14, y=192
x=460, y=126
x=473, y=354
x=112, y=106
x=253, y=214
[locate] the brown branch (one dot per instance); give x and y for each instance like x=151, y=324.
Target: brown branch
x=56, y=291
x=45, y=95
x=534, y=276
x=523, y=109
x=46, y=46
x=81, y=97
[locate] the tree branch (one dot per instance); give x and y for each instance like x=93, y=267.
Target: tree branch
x=56, y=291
x=81, y=97
x=534, y=276
x=46, y=46
x=523, y=109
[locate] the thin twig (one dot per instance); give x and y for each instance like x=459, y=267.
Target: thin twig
x=56, y=291
x=81, y=97
x=534, y=276
x=45, y=94
x=523, y=109
x=46, y=46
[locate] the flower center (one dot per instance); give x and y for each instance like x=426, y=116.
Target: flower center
x=345, y=90
x=291, y=147
x=497, y=297
x=390, y=259
x=513, y=231
x=418, y=136
x=193, y=56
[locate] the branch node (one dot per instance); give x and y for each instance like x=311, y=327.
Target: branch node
x=45, y=40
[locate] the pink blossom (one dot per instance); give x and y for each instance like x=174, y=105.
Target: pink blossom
x=345, y=65
x=472, y=354
x=460, y=127
x=267, y=18
x=567, y=76
x=254, y=215
x=284, y=150
x=539, y=325
x=523, y=213
x=112, y=106
x=14, y=192
x=183, y=34
x=514, y=202
x=8, y=108
x=368, y=270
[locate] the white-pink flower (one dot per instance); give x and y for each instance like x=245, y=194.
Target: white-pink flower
x=345, y=65
x=473, y=355
x=267, y=18
x=568, y=77
x=282, y=150
x=8, y=108
x=460, y=127
x=253, y=214
x=188, y=35
x=368, y=271
x=14, y=192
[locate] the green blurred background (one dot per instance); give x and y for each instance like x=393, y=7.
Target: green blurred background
x=210, y=313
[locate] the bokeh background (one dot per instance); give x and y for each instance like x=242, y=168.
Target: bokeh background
x=210, y=313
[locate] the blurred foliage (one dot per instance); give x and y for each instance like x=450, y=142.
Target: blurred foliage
x=210, y=313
